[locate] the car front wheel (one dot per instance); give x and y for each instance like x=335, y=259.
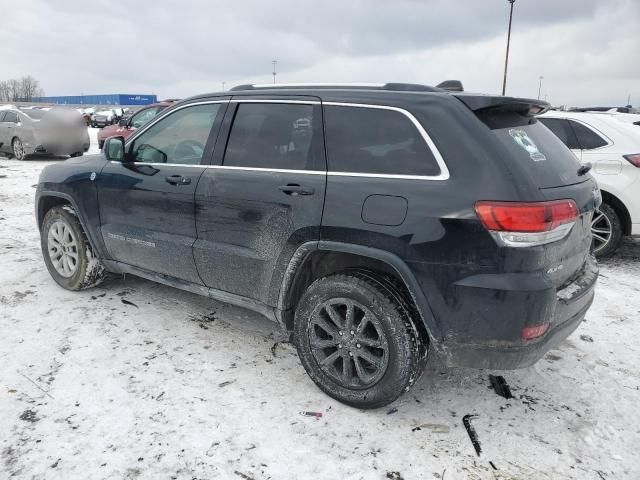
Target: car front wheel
x=357, y=341
x=606, y=229
x=67, y=252
x=18, y=149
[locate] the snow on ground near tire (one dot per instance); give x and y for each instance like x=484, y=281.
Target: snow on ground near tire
x=138, y=380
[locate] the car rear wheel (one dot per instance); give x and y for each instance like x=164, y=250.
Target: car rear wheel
x=66, y=250
x=76, y=154
x=606, y=229
x=18, y=149
x=357, y=340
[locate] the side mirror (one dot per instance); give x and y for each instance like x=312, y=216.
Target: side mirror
x=114, y=149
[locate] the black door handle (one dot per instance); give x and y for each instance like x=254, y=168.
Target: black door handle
x=295, y=189
x=178, y=180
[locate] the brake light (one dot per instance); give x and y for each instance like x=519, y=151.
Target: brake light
x=530, y=333
x=633, y=159
x=526, y=224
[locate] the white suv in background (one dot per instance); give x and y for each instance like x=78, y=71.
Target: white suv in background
x=613, y=149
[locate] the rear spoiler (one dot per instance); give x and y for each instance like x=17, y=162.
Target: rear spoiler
x=523, y=106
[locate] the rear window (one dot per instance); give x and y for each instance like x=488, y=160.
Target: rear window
x=376, y=141
x=546, y=158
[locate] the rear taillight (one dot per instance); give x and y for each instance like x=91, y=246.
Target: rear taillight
x=633, y=159
x=536, y=331
x=520, y=224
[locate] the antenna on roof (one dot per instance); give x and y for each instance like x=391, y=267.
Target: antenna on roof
x=451, y=85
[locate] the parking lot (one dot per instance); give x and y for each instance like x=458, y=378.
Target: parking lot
x=137, y=380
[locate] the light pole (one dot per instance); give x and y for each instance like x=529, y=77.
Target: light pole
x=540, y=86
x=223, y=84
x=506, y=58
x=274, y=70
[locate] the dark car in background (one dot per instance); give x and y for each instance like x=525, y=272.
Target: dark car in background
x=129, y=124
x=376, y=224
x=105, y=117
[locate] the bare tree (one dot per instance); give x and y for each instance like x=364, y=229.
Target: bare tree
x=25, y=89
x=29, y=88
x=4, y=91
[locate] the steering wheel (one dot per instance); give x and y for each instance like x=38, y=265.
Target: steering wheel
x=189, y=148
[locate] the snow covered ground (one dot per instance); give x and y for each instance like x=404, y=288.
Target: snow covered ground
x=138, y=380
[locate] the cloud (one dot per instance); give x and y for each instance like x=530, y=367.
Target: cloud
x=585, y=49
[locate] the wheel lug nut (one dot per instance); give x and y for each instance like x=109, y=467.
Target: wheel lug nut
x=358, y=345
x=352, y=332
x=339, y=345
x=351, y=354
x=340, y=333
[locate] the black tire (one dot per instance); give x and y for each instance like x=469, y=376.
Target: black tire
x=18, y=149
x=76, y=154
x=88, y=270
x=404, y=353
x=611, y=221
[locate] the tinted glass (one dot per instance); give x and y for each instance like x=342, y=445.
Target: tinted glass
x=587, y=138
x=269, y=135
x=373, y=140
x=562, y=130
x=179, y=138
x=2, y=115
x=11, y=117
x=549, y=162
x=144, y=116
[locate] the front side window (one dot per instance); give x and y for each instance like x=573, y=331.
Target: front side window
x=11, y=117
x=271, y=135
x=179, y=138
x=140, y=118
x=561, y=128
x=587, y=138
x=375, y=140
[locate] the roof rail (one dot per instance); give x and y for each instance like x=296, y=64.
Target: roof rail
x=399, y=87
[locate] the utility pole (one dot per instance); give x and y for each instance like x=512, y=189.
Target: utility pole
x=506, y=58
x=274, y=62
x=629, y=100
x=540, y=86
x=223, y=84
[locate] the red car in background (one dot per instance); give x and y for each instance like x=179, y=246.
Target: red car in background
x=127, y=126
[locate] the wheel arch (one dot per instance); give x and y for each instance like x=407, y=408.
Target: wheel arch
x=314, y=260
x=47, y=200
x=620, y=209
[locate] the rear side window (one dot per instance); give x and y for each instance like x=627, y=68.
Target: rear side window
x=1, y=116
x=561, y=128
x=377, y=141
x=587, y=138
x=272, y=135
x=549, y=162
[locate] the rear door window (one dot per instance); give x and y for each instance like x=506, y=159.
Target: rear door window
x=2, y=116
x=375, y=141
x=587, y=138
x=561, y=128
x=272, y=135
x=536, y=148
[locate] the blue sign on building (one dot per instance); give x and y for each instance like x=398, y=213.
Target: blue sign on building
x=114, y=99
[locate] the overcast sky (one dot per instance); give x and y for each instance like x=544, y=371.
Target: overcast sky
x=587, y=50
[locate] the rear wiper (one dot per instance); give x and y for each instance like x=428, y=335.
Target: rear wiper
x=584, y=169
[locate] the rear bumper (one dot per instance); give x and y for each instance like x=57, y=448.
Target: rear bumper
x=62, y=148
x=564, y=309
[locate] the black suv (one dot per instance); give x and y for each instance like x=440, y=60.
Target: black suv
x=374, y=223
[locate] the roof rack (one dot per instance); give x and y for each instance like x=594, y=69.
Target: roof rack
x=398, y=87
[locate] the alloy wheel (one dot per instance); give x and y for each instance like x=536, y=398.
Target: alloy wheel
x=348, y=343
x=63, y=248
x=18, y=149
x=601, y=230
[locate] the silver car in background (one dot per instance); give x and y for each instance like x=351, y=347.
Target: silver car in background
x=58, y=131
